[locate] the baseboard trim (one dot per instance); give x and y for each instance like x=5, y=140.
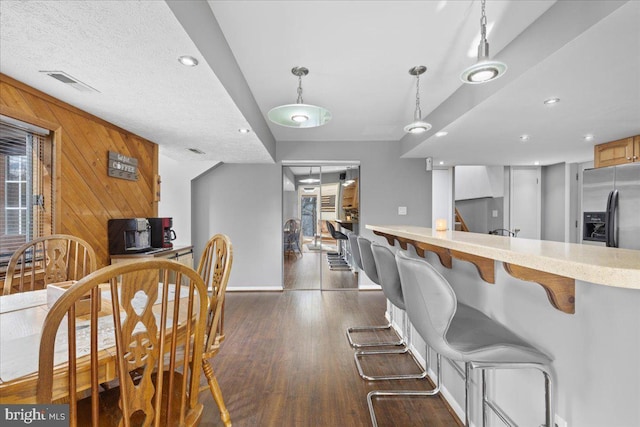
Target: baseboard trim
x=254, y=289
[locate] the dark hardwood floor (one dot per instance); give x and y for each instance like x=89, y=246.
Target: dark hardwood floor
x=286, y=362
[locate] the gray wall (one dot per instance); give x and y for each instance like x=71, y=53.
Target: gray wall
x=553, y=202
x=245, y=202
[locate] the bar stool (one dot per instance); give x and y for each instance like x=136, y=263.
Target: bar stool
x=337, y=235
x=464, y=334
x=369, y=267
x=389, y=279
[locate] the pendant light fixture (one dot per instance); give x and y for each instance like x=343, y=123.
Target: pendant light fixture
x=484, y=70
x=417, y=125
x=299, y=115
x=310, y=180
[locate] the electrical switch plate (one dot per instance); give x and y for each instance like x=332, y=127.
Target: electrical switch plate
x=559, y=422
x=402, y=210
x=494, y=213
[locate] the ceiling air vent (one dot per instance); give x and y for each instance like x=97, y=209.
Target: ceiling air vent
x=65, y=78
x=195, y=150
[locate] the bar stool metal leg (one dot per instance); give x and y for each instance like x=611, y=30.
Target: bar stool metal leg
x=358, y=355
x=355, y=329
x=404, y=393
x=467, y=386
x=484, y=398
x=488, y=403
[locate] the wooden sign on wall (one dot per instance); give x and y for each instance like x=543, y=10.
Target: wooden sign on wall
x=121, y=166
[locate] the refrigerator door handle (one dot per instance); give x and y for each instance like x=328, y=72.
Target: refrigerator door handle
x=607, y=221
x=610, y=218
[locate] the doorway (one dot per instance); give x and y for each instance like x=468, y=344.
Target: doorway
x=312, y=196
x=525, y=202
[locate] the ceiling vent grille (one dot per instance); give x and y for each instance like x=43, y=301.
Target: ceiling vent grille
x=195, y=150
x=65, y=78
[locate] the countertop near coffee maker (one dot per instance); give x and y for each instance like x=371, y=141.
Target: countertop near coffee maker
x=183, y=254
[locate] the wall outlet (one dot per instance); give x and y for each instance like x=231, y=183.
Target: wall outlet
x=559, y=422
x=402, y=210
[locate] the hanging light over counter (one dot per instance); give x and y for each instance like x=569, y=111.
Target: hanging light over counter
x=299, y=115
x=484, y=70
x=417, y=125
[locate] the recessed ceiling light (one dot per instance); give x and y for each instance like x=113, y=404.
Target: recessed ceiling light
x=187, y=60
x=589, y=137
x=536, y=163
x=524, y=137
x=441, y=133
x=551, y=101
x=441, y=162
x=244, y=130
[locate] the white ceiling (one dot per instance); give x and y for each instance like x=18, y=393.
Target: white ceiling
x=358, y=53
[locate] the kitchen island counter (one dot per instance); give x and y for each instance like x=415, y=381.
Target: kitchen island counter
x=596, y=264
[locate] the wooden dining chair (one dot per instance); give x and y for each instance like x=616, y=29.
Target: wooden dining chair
x=214, y=268
x=48, y=259
x=152, y=312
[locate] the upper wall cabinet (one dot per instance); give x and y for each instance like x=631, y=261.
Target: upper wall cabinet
x=350, y=195
x=619, y=152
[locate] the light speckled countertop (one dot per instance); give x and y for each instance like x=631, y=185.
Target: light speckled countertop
x=605, y=266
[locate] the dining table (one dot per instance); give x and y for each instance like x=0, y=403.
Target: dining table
x=21, y=318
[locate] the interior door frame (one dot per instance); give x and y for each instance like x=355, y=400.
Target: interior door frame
x=312, y=164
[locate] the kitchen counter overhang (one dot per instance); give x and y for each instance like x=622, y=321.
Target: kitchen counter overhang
x=554, y=265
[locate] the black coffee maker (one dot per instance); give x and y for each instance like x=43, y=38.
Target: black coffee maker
x=129, y=235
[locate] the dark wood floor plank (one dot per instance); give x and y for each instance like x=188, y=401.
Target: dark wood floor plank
x=286, y=362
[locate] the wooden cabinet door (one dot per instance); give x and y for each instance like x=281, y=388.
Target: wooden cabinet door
x=636, y=148
x=614, y=153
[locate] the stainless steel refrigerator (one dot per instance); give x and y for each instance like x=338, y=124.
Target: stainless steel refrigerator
x=611, y=206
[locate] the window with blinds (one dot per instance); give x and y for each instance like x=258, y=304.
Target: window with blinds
x=26, y=187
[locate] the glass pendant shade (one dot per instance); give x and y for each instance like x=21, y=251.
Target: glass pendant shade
x=417, y=126
x=299, y=115
x=483, y=71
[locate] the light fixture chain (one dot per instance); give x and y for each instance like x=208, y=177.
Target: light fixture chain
x=418, y=92
x=299, y=101
x=417, y=115
x=483, y=22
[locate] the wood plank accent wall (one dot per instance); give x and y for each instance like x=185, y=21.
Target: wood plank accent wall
x=86, y=197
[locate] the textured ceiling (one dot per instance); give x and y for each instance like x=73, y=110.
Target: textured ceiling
x=358, y=53
x=128, y=51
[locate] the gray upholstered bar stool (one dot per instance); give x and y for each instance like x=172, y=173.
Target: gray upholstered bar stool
x=372, y=273
x=389, y=280
x=461, y=333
